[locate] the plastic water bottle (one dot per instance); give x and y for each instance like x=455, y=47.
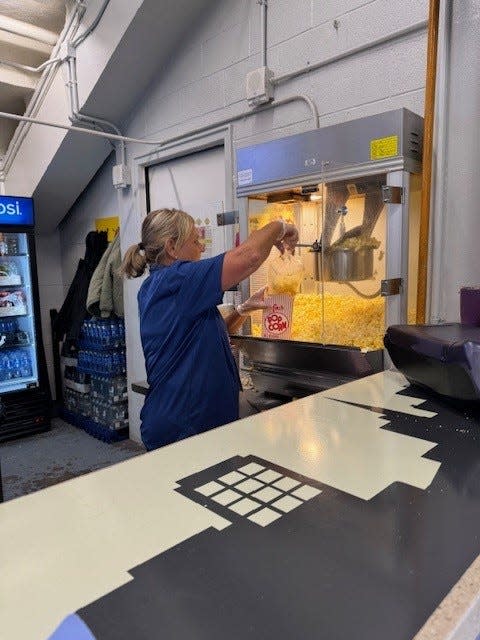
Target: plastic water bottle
x=25, y=365
x=105, y=333
x=7, y=366
x=12, y=244
x=114, y=337
x=3, y=366
x=14, y=364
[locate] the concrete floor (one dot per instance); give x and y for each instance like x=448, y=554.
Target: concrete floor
x=39, y=461
x=36, y=462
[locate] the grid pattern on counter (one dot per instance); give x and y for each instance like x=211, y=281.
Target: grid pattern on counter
x=257, y=491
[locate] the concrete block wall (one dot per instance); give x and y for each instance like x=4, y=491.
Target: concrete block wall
x=205, y=77
x=203, y=83
x=99, y=201
x=50, y=285
x=58, y=253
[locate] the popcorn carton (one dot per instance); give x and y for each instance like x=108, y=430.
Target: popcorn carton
x=277, y=318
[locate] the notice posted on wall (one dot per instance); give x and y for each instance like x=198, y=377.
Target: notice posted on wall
x=111, y=225
x=205, y=234
x=217, y=239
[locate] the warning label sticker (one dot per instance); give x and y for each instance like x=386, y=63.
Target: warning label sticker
x=244, y=177
x=383, y=148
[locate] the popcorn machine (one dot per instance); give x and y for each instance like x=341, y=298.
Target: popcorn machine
x=353, y=191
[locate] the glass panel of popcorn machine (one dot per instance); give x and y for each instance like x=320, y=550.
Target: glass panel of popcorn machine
x=352, y=263
x=290, y=279
x=342, y=230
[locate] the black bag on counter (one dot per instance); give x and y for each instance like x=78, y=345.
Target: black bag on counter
x=444, y=358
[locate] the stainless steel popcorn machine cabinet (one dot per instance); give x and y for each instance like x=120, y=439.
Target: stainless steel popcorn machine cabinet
x=353, y=190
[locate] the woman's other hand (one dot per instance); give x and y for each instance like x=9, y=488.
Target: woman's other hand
x=254, y=303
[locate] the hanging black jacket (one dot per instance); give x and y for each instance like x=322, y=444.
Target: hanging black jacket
x=73, y=312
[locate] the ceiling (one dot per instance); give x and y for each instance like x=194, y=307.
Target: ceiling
x=29, y=30
x=150, y=43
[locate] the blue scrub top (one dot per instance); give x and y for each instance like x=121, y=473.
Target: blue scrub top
x=193, y=378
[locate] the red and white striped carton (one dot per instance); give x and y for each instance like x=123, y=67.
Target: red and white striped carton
x=277, y=319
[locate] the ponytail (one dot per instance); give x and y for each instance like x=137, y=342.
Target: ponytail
x=157, y=228
x=134, y=263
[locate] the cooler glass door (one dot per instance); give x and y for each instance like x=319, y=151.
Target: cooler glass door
x=18, y=353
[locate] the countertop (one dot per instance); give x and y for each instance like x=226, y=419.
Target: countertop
x=352, y=513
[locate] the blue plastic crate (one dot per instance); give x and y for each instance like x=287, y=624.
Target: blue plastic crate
x=99, y=431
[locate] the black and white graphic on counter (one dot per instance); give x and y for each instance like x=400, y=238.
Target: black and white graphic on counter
x=252, y=488
x=303, y=559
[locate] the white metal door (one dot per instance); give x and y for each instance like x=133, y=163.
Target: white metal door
x=195, y=184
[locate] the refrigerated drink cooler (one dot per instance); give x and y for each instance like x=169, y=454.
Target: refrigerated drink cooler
x=24, y=389
x=353, y=191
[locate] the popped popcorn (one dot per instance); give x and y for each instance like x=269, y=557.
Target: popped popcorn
x=349, y=320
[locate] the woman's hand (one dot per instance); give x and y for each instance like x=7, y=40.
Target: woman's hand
x=254, y=303
x=288, y=241
x=241, y=262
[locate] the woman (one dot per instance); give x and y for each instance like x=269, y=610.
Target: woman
x=193, y=379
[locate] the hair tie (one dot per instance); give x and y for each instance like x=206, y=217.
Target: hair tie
x=141, y=246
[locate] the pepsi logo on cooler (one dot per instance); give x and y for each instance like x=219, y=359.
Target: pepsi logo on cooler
x=16, y=210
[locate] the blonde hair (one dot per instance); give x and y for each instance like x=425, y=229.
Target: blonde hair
x=158, y=227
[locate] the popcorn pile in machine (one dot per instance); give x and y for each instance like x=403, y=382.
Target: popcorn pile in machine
x=353, y=191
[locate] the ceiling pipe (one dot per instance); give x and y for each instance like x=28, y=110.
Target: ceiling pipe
x=75, y=114
x=24, y=67
x=88, y=31
x=71, y=25
x=263, y=8
x=26, y=30
x=414, y=28
x=160, y=143
x=427, y=160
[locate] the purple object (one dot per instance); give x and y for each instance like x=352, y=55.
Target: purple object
x=470, y=306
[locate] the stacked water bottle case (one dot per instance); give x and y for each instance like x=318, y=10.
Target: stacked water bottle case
x=95, y=392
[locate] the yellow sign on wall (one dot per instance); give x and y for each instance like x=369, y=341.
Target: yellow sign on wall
x=383, y=148
x=110, y=225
